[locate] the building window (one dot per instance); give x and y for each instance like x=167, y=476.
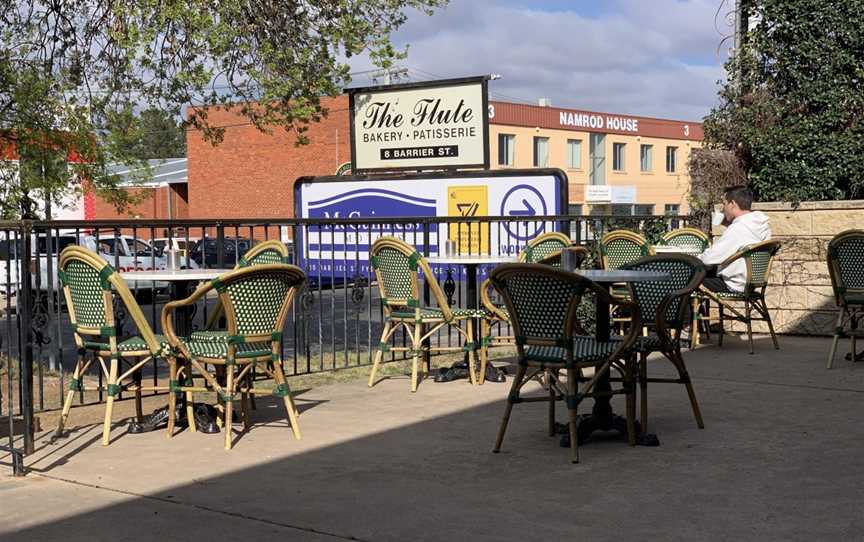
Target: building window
x=645, y=152
x=672, y=209
x=574, y=209
x=618, y=157
x=671, y=159
x=574, y=154
x=626, y=209
x=541, y=151
x=597, y=159
x=506, y=146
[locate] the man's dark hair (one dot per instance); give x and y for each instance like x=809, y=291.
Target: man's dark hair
x=741, y=195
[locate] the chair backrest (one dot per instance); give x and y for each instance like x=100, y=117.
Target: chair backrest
x=543, y=246
x=542, y=302
x=271, y=251
x=665, y=303
x=691, y=240
x=846, y=266
x=256, y=299
x=397, y=266
x=758, y=257
x=89, y=285
x=621, y=247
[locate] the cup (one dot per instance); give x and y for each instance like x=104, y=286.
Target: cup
x=173, y=258
x=717, y=218
x=568, y=259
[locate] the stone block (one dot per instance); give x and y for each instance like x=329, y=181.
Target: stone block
x=789, y=272
x=820, y=298
x=794, y=223
x=809, y=322
x=786, y=297
x=832, y=222
x=800, y=248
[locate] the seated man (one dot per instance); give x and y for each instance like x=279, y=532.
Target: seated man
x=743, y=227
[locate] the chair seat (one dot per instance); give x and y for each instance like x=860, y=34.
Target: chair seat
x=132, y=344
x=585, y=350
x=432, y=313
x=214, y=345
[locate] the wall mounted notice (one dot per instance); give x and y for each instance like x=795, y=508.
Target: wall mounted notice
x=430, y=125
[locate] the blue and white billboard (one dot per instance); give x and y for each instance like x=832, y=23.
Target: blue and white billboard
x=341, y=250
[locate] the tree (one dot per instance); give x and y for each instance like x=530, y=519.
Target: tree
x=792, y=109
x=75, y=76
x=159, y=135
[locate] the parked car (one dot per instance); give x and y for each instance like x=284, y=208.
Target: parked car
x=123, y=252
x=206, y=251
x=180, y=244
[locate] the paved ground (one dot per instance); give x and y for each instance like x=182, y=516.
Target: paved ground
x=780, y=459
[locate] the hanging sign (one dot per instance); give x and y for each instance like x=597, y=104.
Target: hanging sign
x=419, y=126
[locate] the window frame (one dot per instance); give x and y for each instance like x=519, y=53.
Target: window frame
x=577, y=143
x=537, y=140
x=674, y=156
x=619, y=163
x=642, y=155
x=510, y=150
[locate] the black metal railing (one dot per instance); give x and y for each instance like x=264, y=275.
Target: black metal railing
x=336, y=323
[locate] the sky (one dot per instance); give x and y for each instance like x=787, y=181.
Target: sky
x=656, y=58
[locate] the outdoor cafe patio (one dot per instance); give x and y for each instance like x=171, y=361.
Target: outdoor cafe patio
x=377, y=462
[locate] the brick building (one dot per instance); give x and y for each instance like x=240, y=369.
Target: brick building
x=615, y=163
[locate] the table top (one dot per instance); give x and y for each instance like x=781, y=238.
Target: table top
x=473, y=259
x=604, y=276
x=168, y=275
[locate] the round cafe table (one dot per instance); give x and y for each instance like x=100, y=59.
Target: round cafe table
x=471, y=262
x=602, y=418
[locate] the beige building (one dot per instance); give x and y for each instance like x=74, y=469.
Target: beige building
x=615, y=164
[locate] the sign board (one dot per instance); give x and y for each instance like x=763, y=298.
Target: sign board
x=624, y=194
x=416, y=126
x=342, y=251
x=598, y=193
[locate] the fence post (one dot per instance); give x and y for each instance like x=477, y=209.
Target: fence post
x=26, y=360
x=220, y=245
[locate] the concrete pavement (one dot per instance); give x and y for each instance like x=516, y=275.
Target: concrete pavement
x=780, y=459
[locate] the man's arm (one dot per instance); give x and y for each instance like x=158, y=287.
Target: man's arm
x=725, y=246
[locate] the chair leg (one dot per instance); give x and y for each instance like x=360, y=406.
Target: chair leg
x=514, y=390
x=229, y=405
x=485, y=331
x=572, y=411
x=190, y=402
x=551, y=402
x=172, y=397
x=109, y=403
x=416, y=333
x=694, y=323
x=67, y=404
x=472, y=352
x=379, y=354
x=747, y=310
x=722, y=330
x=139, y=411
x=290, y=407
x=684, y=377
x=836, y=340
x=764, y=308
x=643, y=391
x=630, y=386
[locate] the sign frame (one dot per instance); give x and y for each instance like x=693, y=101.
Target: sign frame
x=483, y=80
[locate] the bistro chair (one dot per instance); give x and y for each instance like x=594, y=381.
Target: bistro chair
x=397, y=267
x=758, y=258
x=691, y=240
x=91, y=287
x=621, y=247
x=256, y=301
x=545, y=249
x=542, y=303
x=846, y=268
x=664, y=306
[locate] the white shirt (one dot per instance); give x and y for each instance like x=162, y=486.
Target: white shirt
x=747, y=229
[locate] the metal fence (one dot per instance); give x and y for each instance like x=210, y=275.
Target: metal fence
x=334, y=324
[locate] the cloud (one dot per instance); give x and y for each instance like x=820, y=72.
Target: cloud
x=656, y=58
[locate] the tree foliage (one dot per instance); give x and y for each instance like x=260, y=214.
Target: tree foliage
x=792, y=109
x=75, y=76
x=711, y=172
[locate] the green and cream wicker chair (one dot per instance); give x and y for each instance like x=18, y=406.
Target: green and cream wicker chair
x=543, y=305
x=545, y=249
x=664, y=306
x=621, y=247
x=90, y=287
x=690, y=240
x=758, y=258
x=256, y=301
x=846, y=268
x=397, y=266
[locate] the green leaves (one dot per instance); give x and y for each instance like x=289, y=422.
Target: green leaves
x=89, y=69
x=793, y=108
